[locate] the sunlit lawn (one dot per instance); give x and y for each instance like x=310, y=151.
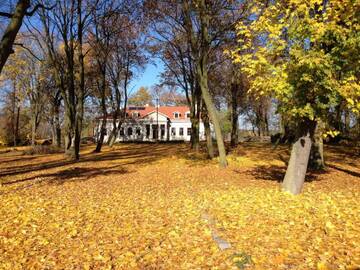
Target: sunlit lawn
x=148, y=206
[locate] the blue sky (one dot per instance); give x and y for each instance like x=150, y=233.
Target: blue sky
x=149, y=77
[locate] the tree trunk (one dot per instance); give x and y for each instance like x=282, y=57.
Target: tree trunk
x=117, y=127
x=113, y=137
x=114, y=131
x=33, y=130
x=234, y=117
x=195, y=119
x=70, y=126
x=338, y=121
x=209, y=141
x=79, y=115
x=358, y=128
x=195, y=142
x=103, y=123
x=57, y=127
x=17, y=126
x=213, y=116
x=11, y=31
x=295, y=174
x=316, y=162
x=102, y=136
x=202, y=75
x=35, y=120
x=267, y=128
x=347, y=122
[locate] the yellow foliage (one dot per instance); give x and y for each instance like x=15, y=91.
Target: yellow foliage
x=142, y=207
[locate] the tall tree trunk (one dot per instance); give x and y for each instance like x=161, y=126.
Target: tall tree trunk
x=13, y=112
x=33, y=130
x=102, y=92
x=113, y=134
x=195, y=126
x=338, y=121
x=57, y=127
x=81, y=94
x=358, y=128
x=115, y=131
x=17, y=125
x=209, y=141
x=11, y=31
x=317, y=162
x=296, y=171
x=267, y=128
x=213, y=116
x=195, y=118
x=117, y=126
x=35, y=120
x=102, y=136
x=70, y=126
x=347, y=122
x=234, y=116
x=202, y=75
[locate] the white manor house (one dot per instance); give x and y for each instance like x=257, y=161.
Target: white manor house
x=148, y=123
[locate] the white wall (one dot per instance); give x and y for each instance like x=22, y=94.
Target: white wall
x=177, y=124
x=151, y=120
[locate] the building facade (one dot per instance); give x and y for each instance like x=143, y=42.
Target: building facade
x=148, y=123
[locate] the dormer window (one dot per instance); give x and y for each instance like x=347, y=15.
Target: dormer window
x=135, y=114
x=177, y=115
x=187, y=114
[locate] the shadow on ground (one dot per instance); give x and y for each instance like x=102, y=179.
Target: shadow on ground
x=277, y=173
x=90, y=164
x=57, y=170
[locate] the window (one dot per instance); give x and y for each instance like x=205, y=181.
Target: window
x=173, y=131
x=138, y=131
x=162, y=131
x=130, y=131
x=155, y=131
x=181, y=131
x=176, y=115
x=147, y=131
x=189, y=131
x=187, y=115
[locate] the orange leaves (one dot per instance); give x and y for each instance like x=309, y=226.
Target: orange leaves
x=151, y=216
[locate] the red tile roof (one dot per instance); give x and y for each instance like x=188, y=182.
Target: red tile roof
x=145, y=110
x=166, y=110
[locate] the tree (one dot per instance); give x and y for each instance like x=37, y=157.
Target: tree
x=14, y=83
x=63, y=35
x=126, y=61
x=141, y=97
x=102, y=18
x=168, y=95
x=201, y=45
x=171, y=44
x=282, y=50
x=16, y=20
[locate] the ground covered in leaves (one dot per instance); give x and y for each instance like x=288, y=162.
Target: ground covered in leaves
x=148, y=206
